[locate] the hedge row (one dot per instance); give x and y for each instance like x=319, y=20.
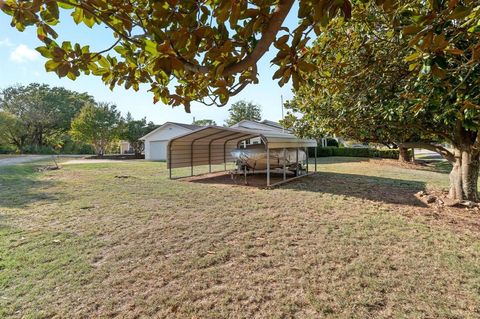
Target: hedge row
x=354, y=152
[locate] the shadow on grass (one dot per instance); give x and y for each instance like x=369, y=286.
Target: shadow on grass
x=20, y=185
x=437, y=166
x=338, y=160
x=257, y=180
x=380, y=189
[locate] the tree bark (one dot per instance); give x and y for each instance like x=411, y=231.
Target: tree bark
x=404, y=154
x=464, y=175
x=99, y=149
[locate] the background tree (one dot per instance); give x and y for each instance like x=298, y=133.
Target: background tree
x=370, y=86
x=98, y=125
x=205, y=122
x=132, y=131
x=243, y=110
x=150, y=127
x=11, y=131
x=42, y=113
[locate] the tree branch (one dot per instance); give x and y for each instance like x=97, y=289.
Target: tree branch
x=90, y=10
x=268, y=36
x=431, y=147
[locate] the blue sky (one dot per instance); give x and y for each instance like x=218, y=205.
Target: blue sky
x=21, y=64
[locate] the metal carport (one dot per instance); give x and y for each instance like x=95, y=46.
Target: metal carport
x=212, y=145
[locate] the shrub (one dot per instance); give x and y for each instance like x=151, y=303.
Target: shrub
x=72, y=147
x=354, y=152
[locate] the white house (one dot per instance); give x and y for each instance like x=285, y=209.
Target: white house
x=157, y=140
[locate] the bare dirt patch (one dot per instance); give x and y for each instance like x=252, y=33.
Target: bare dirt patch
x=258, y=180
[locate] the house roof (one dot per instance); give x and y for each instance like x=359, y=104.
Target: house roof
x=213, y=144
x=269, y=125
x=190, y=127
x=272, y=123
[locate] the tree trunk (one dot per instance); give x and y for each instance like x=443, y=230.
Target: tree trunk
x=464, y=175
x=99, y=149
x=405, y=155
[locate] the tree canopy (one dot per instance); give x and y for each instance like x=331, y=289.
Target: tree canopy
x=206, y=50
x=97, y=124
x=243, y=110
x=38, y=114
x=204, y=122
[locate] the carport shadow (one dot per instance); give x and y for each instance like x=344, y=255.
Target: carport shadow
x=20, y=186
x=258, y=180
x=323, y=160
x=380, y=189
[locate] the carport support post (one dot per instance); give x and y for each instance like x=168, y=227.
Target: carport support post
x=315, y=159
x=210, y=157
x=296, y=161
x=191, y=158
x=268, y=166
x=306, y=155
x=225, y=155
x=284, y=164
x=170, y=160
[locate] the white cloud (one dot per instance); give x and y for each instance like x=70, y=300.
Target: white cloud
x=6, y=43
x=23, y=53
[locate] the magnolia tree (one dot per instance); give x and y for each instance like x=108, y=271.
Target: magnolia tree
x=184, y=51
x=354, y=91
x=376, y=82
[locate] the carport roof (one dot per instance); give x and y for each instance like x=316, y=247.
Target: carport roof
x=212, y=145
x=217, y=134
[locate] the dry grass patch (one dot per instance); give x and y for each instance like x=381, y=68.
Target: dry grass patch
x=350, y=242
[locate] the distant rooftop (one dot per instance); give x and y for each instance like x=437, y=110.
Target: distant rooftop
x=272, y=123
x=187, y=126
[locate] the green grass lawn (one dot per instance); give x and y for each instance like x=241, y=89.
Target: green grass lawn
x=350, y=242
